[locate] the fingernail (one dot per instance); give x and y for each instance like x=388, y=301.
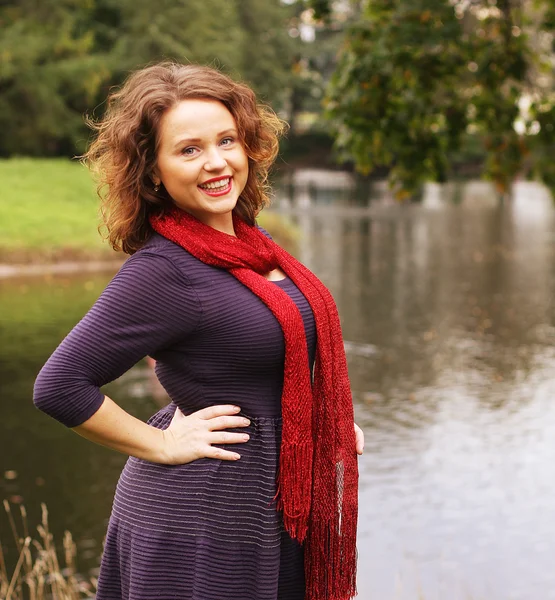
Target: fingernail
x=246, y=422
x=236, y=408
x=237, y=457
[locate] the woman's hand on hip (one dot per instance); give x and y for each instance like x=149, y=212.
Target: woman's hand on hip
x=190, y=437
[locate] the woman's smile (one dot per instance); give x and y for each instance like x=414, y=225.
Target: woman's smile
x=218, y=186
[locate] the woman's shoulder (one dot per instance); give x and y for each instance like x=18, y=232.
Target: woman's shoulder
x=159, y=245
x=150, y=277
x=160, y=254
x=153, y=264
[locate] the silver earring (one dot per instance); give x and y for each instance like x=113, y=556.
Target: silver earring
x=156, y=187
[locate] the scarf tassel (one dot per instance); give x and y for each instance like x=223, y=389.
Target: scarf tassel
x=330, y=553
x=294, y=485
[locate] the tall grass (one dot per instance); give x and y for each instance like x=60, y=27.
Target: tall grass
x=38, y=574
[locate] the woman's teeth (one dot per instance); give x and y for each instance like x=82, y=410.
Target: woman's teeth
x=216, y=185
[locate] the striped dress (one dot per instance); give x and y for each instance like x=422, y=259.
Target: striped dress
x=206, y=530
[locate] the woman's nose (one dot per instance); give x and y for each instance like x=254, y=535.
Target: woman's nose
x=215, y=161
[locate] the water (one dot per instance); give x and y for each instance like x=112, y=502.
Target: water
x=449, y=321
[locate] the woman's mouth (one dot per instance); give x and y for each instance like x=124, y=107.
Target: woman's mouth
x=221, y=187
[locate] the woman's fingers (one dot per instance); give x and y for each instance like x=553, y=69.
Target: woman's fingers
x=219, y=410
x=221, y=454
x=359, y=439
x=192, y=436
x=225, y=437
x=227, y=423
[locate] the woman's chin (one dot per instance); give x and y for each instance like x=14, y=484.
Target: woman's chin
x=222, y=205
x=209, y=207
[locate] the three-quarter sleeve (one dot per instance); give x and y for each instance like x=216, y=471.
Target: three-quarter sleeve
x=148, y=306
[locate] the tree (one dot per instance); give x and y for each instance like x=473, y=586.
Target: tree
x=60, y=57
x=267, y=49
x=207, y=32
x=415, y=77
x=47, y=76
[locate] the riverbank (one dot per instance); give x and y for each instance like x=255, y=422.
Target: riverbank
x=49, y=219
x=58, y=268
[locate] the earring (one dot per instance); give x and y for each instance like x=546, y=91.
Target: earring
x=156, y=187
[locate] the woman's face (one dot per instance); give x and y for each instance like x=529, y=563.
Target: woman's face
x=201, y=161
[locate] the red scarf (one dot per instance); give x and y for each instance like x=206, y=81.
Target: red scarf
x=318, y=474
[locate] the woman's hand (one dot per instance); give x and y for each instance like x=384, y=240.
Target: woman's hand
x=190, y=437
x=359, y=439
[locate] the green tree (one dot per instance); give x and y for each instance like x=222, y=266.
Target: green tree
x=48, y=77
x=415, y=77
x=205, y=32
x=267, y=49
x=60, y=57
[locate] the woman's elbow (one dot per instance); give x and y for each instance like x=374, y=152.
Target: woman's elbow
x=43, y=390
x=67, y=397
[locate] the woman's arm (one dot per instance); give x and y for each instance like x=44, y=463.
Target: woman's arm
x=186, y=439
x=148, y=306
x=114, y=428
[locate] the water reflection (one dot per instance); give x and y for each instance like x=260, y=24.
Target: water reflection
x=448, y=315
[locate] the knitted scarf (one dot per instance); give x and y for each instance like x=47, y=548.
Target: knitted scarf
x=318, y=475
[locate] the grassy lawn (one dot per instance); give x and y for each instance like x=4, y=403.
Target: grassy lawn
x=49, y=212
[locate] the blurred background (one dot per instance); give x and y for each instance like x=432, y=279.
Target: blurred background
x=416, y=181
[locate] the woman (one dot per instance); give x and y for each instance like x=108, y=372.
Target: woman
x=247, y=344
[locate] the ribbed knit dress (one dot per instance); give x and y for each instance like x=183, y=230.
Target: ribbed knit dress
x=209, y=529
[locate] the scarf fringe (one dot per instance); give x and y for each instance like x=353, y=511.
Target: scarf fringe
x=294, y=498
x=331, y=556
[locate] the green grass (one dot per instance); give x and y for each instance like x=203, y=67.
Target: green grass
x=49, y=212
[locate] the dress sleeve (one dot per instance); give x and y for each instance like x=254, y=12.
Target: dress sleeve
x=148, y=306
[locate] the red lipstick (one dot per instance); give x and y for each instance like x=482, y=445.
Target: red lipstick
x=217, y=186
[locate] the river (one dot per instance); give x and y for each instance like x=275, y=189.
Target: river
x=448, y=315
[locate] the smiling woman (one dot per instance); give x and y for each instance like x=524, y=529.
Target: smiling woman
x=247, y=344
x=201, y=161
x=159, y=114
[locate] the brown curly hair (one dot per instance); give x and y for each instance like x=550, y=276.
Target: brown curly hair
x=123, y=154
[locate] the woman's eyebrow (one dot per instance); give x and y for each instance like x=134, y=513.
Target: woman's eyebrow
x=182, y=141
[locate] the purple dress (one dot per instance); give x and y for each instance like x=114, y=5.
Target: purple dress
x=206, y=530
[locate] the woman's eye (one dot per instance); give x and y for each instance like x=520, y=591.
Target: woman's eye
x=188, y=151
x=227, y=141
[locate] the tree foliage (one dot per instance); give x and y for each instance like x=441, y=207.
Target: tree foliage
x=48, y=76
x=59, y=58
x=416, y=77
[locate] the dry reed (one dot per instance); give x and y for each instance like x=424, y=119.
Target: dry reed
x=37, y=574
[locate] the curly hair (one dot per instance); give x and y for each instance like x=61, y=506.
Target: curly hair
x=123, y=153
